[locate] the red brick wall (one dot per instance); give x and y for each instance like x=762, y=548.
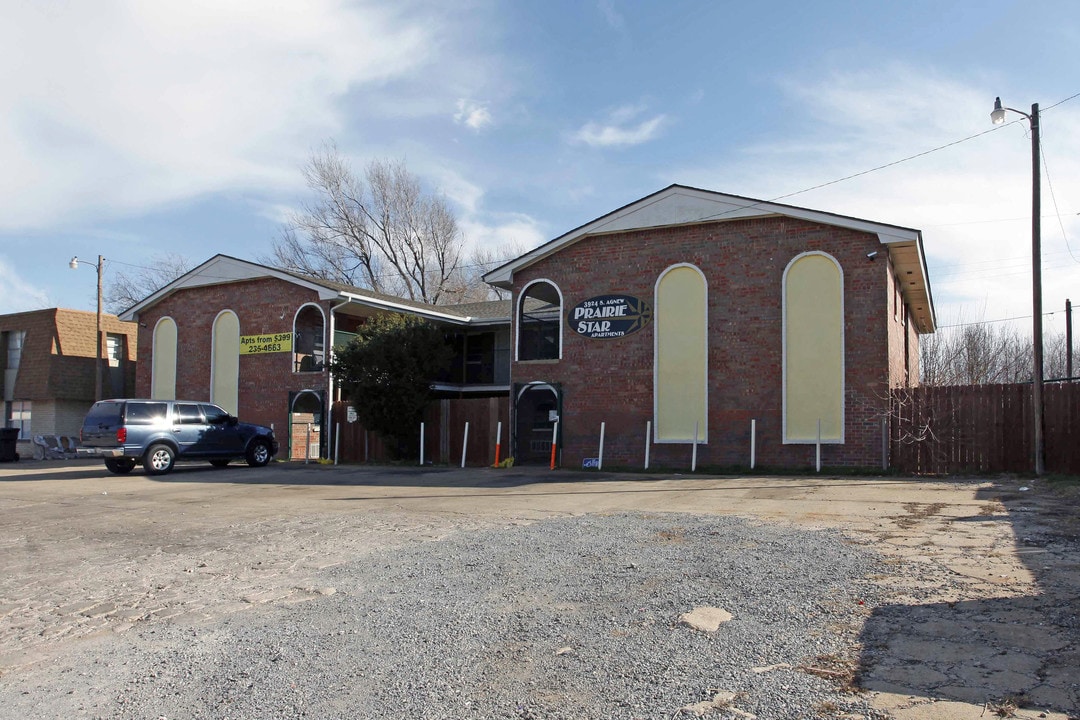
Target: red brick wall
x=611, y=380
x=901, y=323
x=58, y=360
x=266, y=305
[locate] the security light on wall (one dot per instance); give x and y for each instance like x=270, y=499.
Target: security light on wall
x=871, y=255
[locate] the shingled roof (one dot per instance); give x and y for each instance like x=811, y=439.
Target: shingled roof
x=224, y=268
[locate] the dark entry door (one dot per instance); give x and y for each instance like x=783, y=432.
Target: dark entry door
x=535, y=411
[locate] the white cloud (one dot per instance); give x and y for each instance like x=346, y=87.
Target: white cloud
x=472, y=114
x=611, y=15
x=17, y=295
x=621, y=129
x=481, y=227
x=503, y=230
x=972, y=200
x=114, y=107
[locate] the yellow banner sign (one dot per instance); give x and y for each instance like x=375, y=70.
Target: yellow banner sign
x=278, y=342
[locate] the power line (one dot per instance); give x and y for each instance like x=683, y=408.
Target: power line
x=1059, y=102
x=991, y=322
x=1053, y=198
x=886, y=165
x=891, y=164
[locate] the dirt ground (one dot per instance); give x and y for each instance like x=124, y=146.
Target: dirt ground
x=982, y=618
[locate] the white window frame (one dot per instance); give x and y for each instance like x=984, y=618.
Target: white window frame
x=517, y=318
x=703, y=438
x=783, y=359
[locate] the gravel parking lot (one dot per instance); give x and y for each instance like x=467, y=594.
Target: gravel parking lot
x=322, y=592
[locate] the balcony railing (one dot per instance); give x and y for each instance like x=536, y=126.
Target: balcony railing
x=488, y=368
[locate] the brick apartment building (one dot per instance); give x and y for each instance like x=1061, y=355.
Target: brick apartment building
x=255, y=340
x=684, y=312
x=692, y=313
x=48, y=360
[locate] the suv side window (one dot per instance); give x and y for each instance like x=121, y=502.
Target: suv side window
x=214, y=415
x=187, y=414
x=145, y=413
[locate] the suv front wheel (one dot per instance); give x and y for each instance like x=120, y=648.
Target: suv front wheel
x=159, y=460
x=258, y=454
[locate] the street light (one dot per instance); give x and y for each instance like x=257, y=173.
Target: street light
x=74, y=265
x=998, y=117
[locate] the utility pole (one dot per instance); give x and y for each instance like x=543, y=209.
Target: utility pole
x=1038, y=440
x=97, y=362
x=1068, y=339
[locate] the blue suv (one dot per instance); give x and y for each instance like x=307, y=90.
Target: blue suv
x=157, y=433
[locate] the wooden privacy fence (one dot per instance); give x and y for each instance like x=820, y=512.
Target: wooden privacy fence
x=444, y=426
x=965, y=429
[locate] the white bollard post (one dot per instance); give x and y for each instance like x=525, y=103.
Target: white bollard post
x=498, y=442
x=648, y=441
x=421, y=444
x=819, y=445
x=465, y=443
x=307, y=445
x=337, y=443
x=600, y=462
x=693, y=460
x=753, y=443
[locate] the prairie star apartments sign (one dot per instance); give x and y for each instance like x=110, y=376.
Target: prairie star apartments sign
x=609, y=316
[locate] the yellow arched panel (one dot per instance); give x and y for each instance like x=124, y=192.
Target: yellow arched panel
x=225, y=364
x=813, y=349
x=681, y=355
x=163, y=361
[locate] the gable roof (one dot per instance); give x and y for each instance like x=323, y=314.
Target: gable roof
x=683, y=205
x=222, y=269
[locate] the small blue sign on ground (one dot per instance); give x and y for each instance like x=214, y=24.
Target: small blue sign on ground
x=587, y=463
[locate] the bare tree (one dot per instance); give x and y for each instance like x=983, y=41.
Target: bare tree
x=984, y=353
x=467, y=285
x=126, y=288
x=1055, y=356
x=382, y=232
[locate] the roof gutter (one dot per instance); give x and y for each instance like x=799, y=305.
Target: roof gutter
x=369, y=302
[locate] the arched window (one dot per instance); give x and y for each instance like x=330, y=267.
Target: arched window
x=813, y=349
x=539, y=322
x=309, y=354
x=225, y=362
x=681, y=355
x=163, y=360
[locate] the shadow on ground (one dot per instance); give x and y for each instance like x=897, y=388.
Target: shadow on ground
x=1021, y=648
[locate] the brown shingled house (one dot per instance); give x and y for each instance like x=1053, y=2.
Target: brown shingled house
x=48, y=363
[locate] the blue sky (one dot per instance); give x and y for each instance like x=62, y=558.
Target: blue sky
x=134, y=129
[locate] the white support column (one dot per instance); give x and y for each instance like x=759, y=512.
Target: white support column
x=648, y=441
x=693, y=460
x=465, y=443
x=600, y=462
x=753, y=443
x=818, y=446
